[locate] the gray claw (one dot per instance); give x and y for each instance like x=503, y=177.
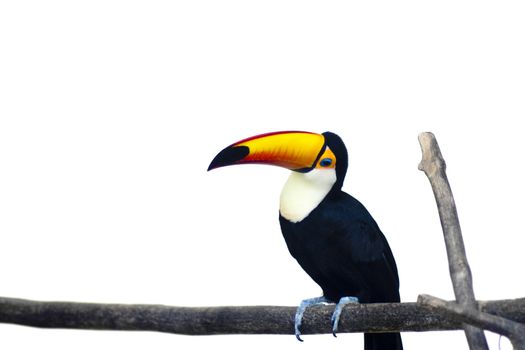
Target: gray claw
x=338, y=310
x=298, y=320
x=300, y=311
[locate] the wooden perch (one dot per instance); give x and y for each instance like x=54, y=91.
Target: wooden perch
x=433, y=164
x=240, y=320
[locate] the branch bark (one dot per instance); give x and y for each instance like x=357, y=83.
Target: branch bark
x=433, y=164
x=240, y=320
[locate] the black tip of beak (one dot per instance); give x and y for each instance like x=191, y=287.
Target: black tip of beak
x=229, y=156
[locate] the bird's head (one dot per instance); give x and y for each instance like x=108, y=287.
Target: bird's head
x=299, y=151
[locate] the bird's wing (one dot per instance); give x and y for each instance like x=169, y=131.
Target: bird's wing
x=363, y=245
x=370, y=253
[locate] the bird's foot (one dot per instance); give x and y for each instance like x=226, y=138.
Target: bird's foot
x=300, y=311
x=338, y=309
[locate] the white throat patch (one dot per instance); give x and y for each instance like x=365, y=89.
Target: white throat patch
x=303, y=192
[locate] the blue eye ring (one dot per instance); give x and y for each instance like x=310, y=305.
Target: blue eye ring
x=325, y=162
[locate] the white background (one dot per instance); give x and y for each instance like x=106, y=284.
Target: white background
x=110, y=112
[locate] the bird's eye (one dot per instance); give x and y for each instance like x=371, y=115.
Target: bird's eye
x=325, y=162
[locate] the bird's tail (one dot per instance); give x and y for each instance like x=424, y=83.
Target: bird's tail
x=383, y=341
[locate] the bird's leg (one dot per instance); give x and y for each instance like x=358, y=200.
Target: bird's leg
x=300, y=311
x=338, y=309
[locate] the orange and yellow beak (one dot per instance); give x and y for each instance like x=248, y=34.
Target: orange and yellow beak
x=294, y=150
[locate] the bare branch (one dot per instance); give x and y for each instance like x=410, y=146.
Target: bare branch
x=239, y=320
x=433, y=164
x=513, y=330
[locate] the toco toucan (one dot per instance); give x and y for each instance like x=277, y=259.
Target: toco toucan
x=329, y=232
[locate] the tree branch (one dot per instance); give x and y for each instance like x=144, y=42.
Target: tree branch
x=430, y=314
x=240, y=320
x=433, y=164
x=513, y=330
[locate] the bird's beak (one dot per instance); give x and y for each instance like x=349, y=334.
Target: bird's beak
x=294, y=150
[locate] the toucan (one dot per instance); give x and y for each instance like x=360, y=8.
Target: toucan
x=331, y=234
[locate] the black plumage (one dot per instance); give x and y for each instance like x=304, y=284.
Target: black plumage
x=343, y=250
x=341, y=247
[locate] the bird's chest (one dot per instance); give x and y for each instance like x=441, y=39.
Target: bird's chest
x=312, y=239
x=325, y=253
